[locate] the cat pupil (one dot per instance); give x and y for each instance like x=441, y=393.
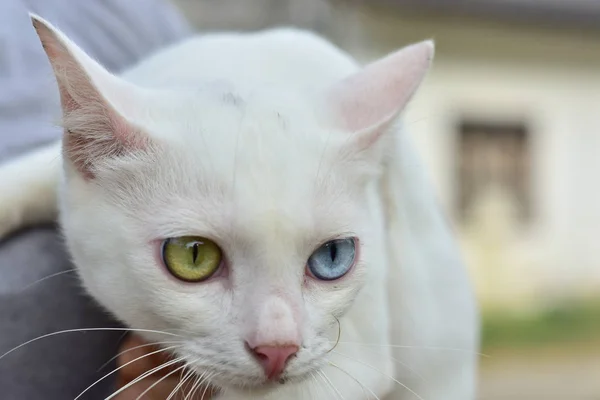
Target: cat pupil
x=195, y=252
x=332, y=251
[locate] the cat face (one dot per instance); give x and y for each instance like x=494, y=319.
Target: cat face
x=268, y=212
x=235, y=222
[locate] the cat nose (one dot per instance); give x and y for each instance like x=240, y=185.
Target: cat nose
x=274, y=358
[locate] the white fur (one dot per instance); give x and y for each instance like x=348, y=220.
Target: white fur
x=263, y=143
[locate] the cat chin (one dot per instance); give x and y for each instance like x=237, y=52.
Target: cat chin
x=258, y=387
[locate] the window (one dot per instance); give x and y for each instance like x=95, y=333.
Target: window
x=493, y=155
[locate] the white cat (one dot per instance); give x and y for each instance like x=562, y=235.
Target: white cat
x=254, y=196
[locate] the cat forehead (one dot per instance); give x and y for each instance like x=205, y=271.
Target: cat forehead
x=222, y=106
x=267, y=133
x=260, y=155
x=260, y=197
x=265, y=217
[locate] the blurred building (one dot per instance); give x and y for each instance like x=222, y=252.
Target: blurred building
x=508, y=123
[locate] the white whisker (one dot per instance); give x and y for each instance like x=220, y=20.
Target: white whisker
x=144, y=376
x=328, y=381
x=159, y=381
x=48, y=277
x=405, y=365
x=183, y=380
x=198, y=385
x=317, y=383
x=186, y=386
x=206, y=385
x=414, y=347
x=355, y=379
x=382, y=373
x=121, y=367
x=135, y=348
x=194, y=386
x=83, y=330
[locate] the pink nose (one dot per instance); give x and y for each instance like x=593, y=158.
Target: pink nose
x=274, y=358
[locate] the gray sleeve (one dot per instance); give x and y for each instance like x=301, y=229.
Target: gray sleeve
x=117, y=33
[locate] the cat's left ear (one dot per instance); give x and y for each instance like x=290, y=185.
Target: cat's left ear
x=367, y=101
x=98, y=107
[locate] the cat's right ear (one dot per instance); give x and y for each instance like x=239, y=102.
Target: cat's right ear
x=97, y=106
x=366, y=102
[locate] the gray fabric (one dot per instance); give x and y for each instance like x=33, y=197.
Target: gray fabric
x=117, y=33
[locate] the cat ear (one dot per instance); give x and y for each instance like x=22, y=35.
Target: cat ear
x=367, y=101
x=90, y=97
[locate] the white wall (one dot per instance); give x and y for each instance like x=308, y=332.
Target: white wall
x=551, y=80
x=559, y=246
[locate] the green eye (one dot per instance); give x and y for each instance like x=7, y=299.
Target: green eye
x=191, y=258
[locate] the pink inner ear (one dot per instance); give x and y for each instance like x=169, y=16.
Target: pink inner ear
x=94, y=130
x=59, y=58
x=378, y=93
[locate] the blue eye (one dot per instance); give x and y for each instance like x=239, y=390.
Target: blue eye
x=332, y=260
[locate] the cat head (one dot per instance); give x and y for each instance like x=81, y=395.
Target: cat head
x=239, y=224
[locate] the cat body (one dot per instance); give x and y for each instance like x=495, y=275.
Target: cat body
x=270, y=144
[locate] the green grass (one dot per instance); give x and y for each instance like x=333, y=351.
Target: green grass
x=573, y=322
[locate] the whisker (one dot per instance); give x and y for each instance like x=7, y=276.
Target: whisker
x=331, y=385
x=206, y=384
x=83, y=330
x=185, y=331
x=309, y=386
x=194, y=386
x=121, y=367
x=176, y=388
x=48, y=277
x=382, y=373
x=183, y=380
x=415, y=347
x=181, y=374
x=318, y=383
x=159, y=381
x=135, y=348
x=144, y=376
x=322, y=385
x=355, y=379
x=338, y=336
x=405, y=365
x=205, y=376
x=184, y=387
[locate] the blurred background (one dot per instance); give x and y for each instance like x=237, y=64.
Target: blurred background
x=508, y=124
